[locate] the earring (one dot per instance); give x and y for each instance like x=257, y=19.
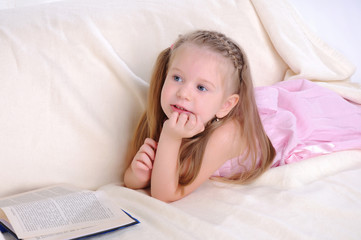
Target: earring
x=215, y=119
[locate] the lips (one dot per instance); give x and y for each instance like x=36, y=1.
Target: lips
x=179, y=109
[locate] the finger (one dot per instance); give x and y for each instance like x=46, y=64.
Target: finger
x=148, y=150
x=142, y=166
x=153, y=144
x=174, y=117
x=200, y=124
x=182, y=119
x=144, y=159
x=192, y=121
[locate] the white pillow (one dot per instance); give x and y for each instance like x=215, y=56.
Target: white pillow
x=74, y=79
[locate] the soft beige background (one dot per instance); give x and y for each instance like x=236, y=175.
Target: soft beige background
x=85, y=107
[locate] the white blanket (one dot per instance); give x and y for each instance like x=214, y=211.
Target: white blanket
x=318, y=199
x=73, y=80
x=305, y=53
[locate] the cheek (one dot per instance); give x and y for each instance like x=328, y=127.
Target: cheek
x=212, y=107
x=167, y=91
x=207, y=111
x=164, y=97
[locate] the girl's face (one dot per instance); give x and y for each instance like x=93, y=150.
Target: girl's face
x=198, y=82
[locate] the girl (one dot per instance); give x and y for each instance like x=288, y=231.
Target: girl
x=202, y=120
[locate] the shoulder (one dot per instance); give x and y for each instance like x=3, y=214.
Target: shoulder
x=229, y=132
x=225, y=142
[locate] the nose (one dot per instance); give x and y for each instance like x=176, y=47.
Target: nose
x=184, y=92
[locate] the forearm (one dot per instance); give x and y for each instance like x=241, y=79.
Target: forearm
x=131, y=180
x=164, y=180
x=165, y=176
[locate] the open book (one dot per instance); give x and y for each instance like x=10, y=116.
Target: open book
x=61, y=212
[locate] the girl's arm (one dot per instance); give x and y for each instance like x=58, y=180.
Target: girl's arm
x=221, y=147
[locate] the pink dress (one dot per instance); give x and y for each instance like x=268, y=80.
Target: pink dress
x=303, y=120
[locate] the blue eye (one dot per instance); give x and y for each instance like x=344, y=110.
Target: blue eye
x=177, y=79
x=201, y=88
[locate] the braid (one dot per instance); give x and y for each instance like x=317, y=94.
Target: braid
x=217, y=41
x=233, y=51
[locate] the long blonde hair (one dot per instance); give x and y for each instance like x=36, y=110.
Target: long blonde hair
x=258, y=146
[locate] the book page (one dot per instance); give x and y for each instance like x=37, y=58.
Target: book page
x=53, y=191
x=38, y=194
x=61, y=213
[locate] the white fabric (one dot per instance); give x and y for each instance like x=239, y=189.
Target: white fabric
x=315, y=199
x=336, y=22
x=73, y=81
x=307, y=55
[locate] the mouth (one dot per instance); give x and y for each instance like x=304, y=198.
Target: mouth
x=179, y=109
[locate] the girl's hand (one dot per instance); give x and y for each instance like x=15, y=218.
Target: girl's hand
x=182, y=125
x=142, y=163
